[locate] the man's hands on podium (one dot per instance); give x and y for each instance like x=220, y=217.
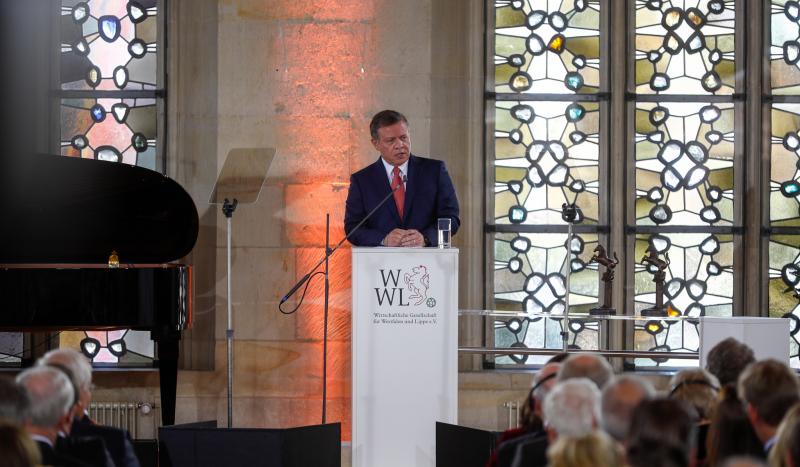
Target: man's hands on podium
x=404, y=238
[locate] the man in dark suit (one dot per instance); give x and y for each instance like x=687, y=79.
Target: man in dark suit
x=51, y=396
x=423, y=191
x=116, y=441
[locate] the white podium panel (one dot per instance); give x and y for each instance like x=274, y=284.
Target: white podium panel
x=405, y=353
x=768, y=337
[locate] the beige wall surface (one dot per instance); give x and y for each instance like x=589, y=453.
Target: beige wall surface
x=305, y=77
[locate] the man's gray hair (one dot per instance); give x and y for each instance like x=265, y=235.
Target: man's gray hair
x=573, y=407
x=620, y=398
x=548, y=372
x=50, y=393
x=743, y=461
x=593, y=367
x=75, y=362
x=14, y=402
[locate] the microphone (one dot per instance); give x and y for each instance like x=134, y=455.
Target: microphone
x=330, y=251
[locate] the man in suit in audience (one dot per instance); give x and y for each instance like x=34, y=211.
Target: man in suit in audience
x=423, y=191
x=51, y=395
x=571, y=409
x=769, y=389
x=619, y=400
x=728, y=359
x=117, y=441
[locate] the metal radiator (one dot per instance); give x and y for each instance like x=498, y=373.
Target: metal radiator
x=125, y=415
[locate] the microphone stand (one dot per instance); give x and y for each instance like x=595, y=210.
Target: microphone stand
x=306, y=278
x=569, y=212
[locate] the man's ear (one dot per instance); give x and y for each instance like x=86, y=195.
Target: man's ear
x=65, y=422
x=752, y=414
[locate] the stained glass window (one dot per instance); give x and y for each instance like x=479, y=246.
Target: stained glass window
x=685, y=47
x=109, y=80
x=111, y=93
x=548, y=108
x=684, y=163
x=784, y=52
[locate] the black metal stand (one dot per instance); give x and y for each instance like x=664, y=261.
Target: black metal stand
x=228, y=208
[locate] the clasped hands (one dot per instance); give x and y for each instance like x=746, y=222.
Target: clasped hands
x=404, y=238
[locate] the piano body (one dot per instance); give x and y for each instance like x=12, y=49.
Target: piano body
x=60, y=219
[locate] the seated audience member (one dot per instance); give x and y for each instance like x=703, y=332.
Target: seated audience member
x=17, y=449
x=769, y=389
x=593, y=367
x=593, y=449
x=698, y=388
x=117, y=442
x=532, y=425
x=571, y=409
x=14, y=402
x=730, y=433
x=786, y=452
x=661, y=434
x=51, y=395
x=620, y=398
x=728, y=359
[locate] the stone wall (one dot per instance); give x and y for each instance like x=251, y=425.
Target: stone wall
x=305, y=78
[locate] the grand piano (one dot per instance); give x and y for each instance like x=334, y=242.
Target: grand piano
x=60, y=220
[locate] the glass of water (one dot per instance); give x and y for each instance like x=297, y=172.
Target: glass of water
x=444, y=232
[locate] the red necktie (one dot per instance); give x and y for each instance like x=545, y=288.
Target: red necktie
x=400, y=193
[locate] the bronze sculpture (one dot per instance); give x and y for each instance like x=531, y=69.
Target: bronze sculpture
x=659, y=276
x=601, y=258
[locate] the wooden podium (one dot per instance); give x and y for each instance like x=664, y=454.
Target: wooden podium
x=405, y=349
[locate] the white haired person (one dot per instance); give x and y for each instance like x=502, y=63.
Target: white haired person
x=571, y=409
x=52, y=396
x=117, y=441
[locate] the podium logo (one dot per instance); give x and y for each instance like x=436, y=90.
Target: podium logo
x=415, y=292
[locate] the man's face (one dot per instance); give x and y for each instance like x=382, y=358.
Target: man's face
x=394, y=143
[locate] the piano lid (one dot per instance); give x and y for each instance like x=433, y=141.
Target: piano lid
x=57, y=209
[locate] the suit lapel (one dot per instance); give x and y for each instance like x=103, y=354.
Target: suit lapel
x=385, y=188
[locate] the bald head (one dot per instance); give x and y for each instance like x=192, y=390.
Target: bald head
x=592, y=367
x=619, y=401
x=544, y=380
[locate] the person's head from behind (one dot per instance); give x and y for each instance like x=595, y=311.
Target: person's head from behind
x=593, y=367
x=730, y=432
x=78, y=366
x=14, y=402
x=742, y=461
x=17, y=449
x=696, y=387
x=594, y=448
x=52, y=397
x=661, y=434
x=543, y=383
x=572, y=408
x=620, y=399
x=728, y=359
x=786, y=452
x=769, y=389
x=391, y=136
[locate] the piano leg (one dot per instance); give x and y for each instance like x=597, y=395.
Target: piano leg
x=168, y=350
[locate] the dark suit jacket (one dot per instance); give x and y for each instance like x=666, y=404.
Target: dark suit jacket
x=52, y=457
x=532, y=452
x=429, y=196
x=118, y=442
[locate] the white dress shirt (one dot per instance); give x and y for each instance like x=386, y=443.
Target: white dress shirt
x=390, y=171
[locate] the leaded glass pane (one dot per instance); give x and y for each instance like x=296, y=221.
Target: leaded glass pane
x=684, y=163
x=108, y=45
x=111, y=129
x=530, y=275
x=699, y=283
x=546, y=154
x=547, y=46
x=784, y=284
x=685, y=47
x=784, y=162
x=784, y=50
x=121, y=347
